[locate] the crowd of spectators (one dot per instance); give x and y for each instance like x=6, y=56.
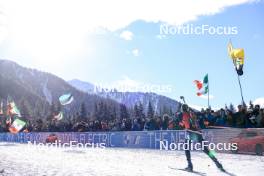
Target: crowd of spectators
x=243, y=117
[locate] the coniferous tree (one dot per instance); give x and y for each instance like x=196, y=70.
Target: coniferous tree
x=105, y=112
x=136, y=111
x=100, y=111
x=95, y=111
x=52, y=108
x=123, y=112
x=150, y=113
x=251, y=104
x=83, y=111
x=25, y=109
x=170, y=112
x=112, y=113
x=231, y=107
x=141, y=110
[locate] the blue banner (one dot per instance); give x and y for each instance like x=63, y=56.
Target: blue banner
x=246, y=139
x=129, y=139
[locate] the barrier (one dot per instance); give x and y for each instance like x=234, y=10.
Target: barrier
x=139, y=139
x=129, y=139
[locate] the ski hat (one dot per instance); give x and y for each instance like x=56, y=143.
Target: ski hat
x=184, y=107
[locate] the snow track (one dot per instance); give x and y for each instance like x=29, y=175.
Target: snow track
x=29, y=160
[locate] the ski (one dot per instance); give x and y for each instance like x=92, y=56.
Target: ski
x=228, y=173
x=194, y=172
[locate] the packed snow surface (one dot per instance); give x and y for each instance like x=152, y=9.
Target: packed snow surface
x=30, y=160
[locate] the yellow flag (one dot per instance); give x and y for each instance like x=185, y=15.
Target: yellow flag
x=229, y=48
x=238, y=53
x=235, y=53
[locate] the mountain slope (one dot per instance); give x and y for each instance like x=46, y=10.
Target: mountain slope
x=159, y=102
x=81, y=85
x=34, y=91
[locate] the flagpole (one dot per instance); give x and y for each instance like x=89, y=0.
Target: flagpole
x=230, y=48
x=241, y=92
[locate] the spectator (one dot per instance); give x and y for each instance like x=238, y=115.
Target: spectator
x=220, y=118
x=229, y=119
x=165, y=122
x=135, y=125
x=240, y=117
x=243, y=118
x=171, y=124
x=210, y=117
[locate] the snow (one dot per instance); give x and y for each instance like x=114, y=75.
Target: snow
x=46, y=92
x=29, y=160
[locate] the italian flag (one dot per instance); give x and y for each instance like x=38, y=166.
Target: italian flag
x=202, y=87
x=16, y=126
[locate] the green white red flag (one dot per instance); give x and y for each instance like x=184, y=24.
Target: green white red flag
x=16, y=126
x=202, y=87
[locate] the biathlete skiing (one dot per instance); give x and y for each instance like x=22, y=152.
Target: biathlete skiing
x=193, y=132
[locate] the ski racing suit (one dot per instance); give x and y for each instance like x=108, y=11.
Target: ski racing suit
x=193, y=133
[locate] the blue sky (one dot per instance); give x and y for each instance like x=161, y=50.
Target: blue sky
x=140, y=56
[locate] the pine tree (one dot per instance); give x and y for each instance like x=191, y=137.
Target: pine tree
x=136, y=111
x=231, y=107
x=123, y=112
x=141, y=110
x=105, y=111
x=251, y=104
x=95, y=111
x=83, y=111
x=150, y=111
x=165, y=110
x=100, y=111
x=112, y=113
x=24, y=109
x=52, y=108
x=58, y=107
x=170, y=112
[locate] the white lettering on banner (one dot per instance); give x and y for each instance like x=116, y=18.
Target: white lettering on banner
x=208, y=135
x=82, y=138
x=103, y=138
x=126, y=139
x=90, y=137
x=182, y=136
x=157, y=139
x=110, y=140
x=164, y=135
x=137, y=140
x=173, y=137
x=67, y=137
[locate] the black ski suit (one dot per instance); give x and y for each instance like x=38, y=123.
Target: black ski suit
x=192, y=133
